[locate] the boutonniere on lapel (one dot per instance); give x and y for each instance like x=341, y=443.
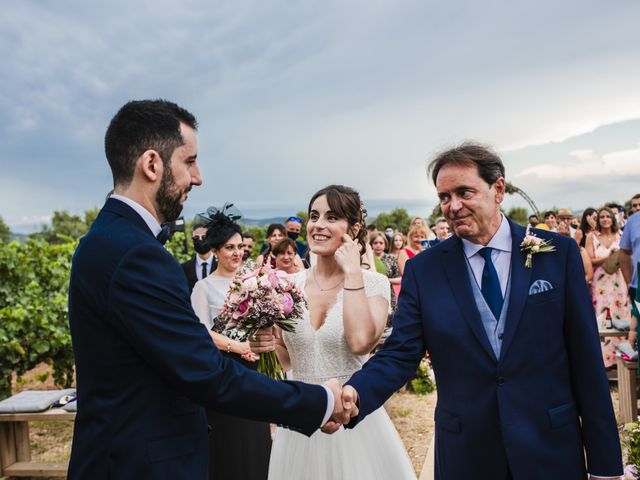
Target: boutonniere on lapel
x=532, y=244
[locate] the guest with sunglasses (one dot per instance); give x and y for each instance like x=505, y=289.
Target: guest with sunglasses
x=294, y=226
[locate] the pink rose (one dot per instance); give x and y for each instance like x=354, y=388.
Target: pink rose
x=251, y=274
x=287, y=303
x=243, y=309
x=273, y=279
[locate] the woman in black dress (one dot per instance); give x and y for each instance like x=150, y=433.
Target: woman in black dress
x=239, y=449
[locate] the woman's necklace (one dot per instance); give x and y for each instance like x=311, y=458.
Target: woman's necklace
x=315, y=279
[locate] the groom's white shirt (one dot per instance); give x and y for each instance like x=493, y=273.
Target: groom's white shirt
x=155, y=228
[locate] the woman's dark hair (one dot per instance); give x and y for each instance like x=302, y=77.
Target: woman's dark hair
x=584, y=224
x=614, y=222
x=144, y=125
x=220, y=229
x=282, y=245
x=550, y=213
x=345, y=203
x=270, y=230
x=276, y=226
x=470, y=154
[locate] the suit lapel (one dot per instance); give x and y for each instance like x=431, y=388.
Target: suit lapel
x=520, y=280
x=454, y=264
x=120, y=208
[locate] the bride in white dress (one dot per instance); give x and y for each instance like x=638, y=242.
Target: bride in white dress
x=347, y=312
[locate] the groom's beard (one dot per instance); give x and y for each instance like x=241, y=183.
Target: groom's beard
x=168, y=197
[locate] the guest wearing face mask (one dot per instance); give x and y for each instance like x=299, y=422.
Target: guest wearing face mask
x=388, y=232
x=203, y=262
x=293, y=226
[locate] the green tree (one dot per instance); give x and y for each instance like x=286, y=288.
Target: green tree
x=398, y=218
x=519, y=215
x=259, y=234
x=435, y=214
x=305, y=218
x=66, y=227
x=33, y=309
x=5, y=232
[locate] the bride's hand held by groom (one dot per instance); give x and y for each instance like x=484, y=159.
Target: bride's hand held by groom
x=345, y=406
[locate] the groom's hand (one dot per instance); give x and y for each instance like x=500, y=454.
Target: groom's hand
x=264, y=340
x=344, y=408
x=335, y=421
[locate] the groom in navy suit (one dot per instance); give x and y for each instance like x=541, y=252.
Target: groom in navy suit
x=144, y=363
x=522, y=391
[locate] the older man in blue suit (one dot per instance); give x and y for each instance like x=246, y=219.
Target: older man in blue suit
x=144, y=362
x=522, y=392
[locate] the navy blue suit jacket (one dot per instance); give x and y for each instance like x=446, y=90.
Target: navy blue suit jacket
x=145, y=365
x=533, y=409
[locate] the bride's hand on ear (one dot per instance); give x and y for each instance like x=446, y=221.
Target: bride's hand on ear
x=348, y=255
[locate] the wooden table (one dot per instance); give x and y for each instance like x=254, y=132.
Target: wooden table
x=612, y=332
x=15, y=446
x=627, y=393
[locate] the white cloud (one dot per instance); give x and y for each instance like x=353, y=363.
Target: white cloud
x=587, y=163
x=294, y=95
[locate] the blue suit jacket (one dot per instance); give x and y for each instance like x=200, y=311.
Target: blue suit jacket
x=535, y=407
x=145, y=364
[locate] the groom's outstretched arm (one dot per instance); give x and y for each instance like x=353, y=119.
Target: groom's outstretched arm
x=155, y=317
x=391, y=367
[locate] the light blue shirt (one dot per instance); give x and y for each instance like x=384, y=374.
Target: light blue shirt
x=630, y=242
x=501, y=243
x=500, y=255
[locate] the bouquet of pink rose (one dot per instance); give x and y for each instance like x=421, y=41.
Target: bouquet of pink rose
x=261, y=299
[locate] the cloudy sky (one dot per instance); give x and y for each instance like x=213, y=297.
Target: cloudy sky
x=293, y=95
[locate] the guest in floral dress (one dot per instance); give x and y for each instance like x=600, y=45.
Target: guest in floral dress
x=608, y=291
x=386, y=264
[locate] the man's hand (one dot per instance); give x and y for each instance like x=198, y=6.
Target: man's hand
x=344, y=408
x=264, y=340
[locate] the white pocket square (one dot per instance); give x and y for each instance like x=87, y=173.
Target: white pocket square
x=540, y=286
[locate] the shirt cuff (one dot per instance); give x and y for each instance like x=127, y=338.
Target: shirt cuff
x=330, y=401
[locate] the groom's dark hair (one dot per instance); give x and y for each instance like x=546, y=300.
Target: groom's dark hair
x=142, y=125
x=470, y=154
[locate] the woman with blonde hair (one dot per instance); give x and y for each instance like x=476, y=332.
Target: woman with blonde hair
x=416, y=235
x=415, y=221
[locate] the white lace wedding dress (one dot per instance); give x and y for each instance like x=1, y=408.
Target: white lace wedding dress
x=373, y=449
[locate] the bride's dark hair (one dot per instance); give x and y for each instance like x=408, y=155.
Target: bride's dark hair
x=345, y=203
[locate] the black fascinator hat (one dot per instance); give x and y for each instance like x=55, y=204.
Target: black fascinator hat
x=220, y=224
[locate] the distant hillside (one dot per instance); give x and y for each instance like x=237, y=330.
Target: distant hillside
x=261, y=222
x=20, y=237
